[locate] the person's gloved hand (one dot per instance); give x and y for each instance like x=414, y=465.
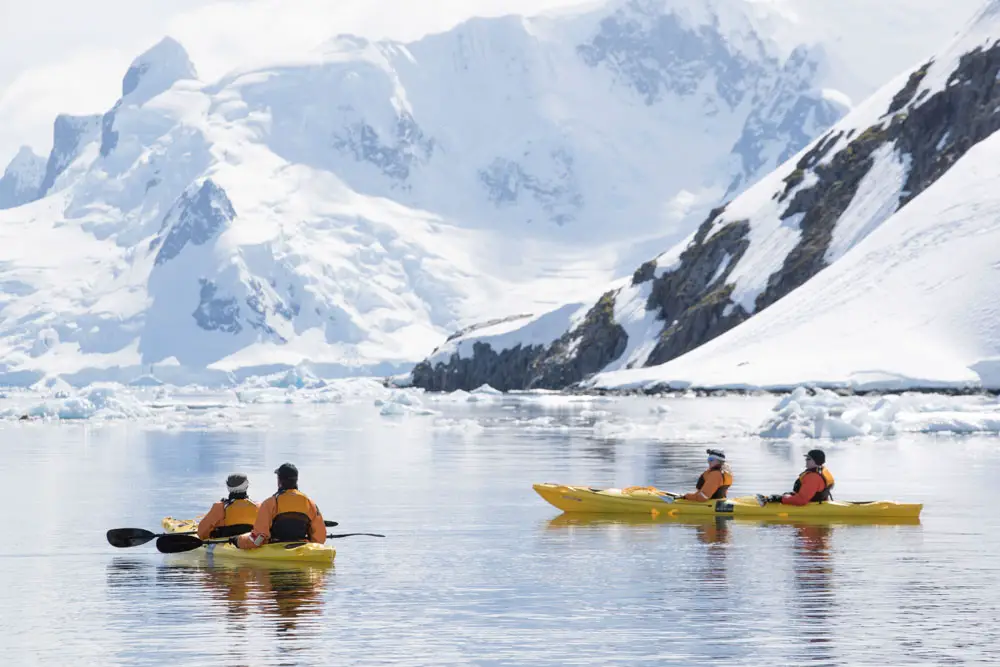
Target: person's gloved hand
x=234, y=541
x=776, y=498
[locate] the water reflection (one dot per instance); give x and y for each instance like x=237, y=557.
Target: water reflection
x=813, y=600
x=286, y=598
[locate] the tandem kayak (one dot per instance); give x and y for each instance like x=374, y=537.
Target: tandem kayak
x=305, y=553
x=647, y=500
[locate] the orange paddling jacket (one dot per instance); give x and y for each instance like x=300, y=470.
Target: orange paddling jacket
x=713, y=484
x=812, y=486
x=227, y=512
x=287, y=516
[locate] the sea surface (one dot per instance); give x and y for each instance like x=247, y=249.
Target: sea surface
x=475, y=568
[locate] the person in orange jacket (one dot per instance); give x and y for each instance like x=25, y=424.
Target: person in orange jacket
x=814, y=485
x=287, y=516
x=233, y=512
x=714, y=483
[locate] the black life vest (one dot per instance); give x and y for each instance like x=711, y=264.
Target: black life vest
x=827, y=477
x=291, y=520
x=727, y=481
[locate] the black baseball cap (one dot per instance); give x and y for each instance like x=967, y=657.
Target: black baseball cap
x=817, y=455
x=287, y=470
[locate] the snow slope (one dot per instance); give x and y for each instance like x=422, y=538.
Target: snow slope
x=351, y=208
x=879, y=231
x=917, y=303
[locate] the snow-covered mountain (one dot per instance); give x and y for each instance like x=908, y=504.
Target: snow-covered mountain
x=868, y=259
x=22, y=179
x=351, y=209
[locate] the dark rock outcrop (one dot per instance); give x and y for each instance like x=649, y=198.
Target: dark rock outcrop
x=21, y=179
x=395, y=155
x=216, y=313
x=595, y=343
x=196, y=218
x=693, y=299
x=653, y=53
x=69, y=135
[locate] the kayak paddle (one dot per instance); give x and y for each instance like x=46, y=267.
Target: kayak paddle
x=175, y=543
x=134, y=537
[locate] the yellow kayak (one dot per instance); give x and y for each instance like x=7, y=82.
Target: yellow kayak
x=647, y=500
x=575, y=519
x=306, y=553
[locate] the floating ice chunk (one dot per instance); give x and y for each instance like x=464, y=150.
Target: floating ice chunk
x=392, y=409
x=824, y=414
x=463, y=426
x=98, y=402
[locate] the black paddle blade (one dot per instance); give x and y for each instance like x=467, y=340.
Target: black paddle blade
x=129, y=537
x=331, y=524
x=175, y=544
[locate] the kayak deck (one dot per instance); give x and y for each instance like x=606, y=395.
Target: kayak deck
x=646, y=500
x=305, y=553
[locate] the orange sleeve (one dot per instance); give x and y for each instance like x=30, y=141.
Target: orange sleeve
x=262, y=526
x=317, y=528
x=811, y=485
x=713, y=480
x=211, y=521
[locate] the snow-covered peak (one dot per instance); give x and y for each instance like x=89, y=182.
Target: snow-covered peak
x=22, y=178
x=70, y=135
x=683, y=47
x=156, y=70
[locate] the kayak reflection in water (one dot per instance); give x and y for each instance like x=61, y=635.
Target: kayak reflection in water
x=714, y=483
x=713, y=532
x=815, y=587
x=287, y=516
x=236, y=510
x=287, y=593
x=814, y=485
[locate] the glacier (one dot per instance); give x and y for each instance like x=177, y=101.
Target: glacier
x=350, y=208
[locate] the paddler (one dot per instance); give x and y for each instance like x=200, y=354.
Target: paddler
x=287, y=516
x=714, y=482
x=234, y=512
x=814, y=485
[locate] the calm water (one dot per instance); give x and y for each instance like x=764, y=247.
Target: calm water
x=476, y=569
